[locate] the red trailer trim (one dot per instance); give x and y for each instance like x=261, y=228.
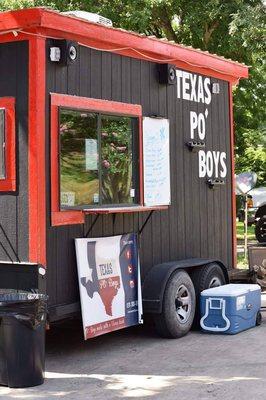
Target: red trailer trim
x=140, y=46
x=36, y=113
x=18, y=19
x=8, y=184
x=36, y=151
x=113, y=107
x=58, y=217
x=54, y=24
x=66, y=217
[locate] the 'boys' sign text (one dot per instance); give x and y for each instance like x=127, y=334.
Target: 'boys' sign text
x=197, y=88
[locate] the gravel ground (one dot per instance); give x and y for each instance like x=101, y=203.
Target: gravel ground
x=135, y=363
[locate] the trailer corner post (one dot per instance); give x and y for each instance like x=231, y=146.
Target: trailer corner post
x=231, y=114
x=36, y=169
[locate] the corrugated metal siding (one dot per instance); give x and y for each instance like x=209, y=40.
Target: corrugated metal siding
x=198, y=223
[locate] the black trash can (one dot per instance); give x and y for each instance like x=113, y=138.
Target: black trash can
x=22, y=338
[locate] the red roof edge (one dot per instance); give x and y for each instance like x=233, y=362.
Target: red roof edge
x=53, y=24
x=18, y=19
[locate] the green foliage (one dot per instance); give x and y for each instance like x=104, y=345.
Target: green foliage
x=251, y=154
x=240, y=230
x=249, y=25
x=15, y=4
x=232, y=28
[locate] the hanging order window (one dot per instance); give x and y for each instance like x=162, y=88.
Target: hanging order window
x=98, y=159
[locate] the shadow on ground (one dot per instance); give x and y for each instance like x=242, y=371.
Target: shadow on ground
x=135, y=363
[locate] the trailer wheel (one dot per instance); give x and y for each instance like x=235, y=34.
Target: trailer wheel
x=260, y=230
x=178, y=307
x=211, y=275
x=258, y=318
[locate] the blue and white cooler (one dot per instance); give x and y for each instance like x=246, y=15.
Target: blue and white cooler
x=230, y=308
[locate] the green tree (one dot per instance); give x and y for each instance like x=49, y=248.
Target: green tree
x=232, y=28
x=15, y=4
x=249, y=26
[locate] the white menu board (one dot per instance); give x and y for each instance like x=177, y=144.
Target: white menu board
x=156, y=161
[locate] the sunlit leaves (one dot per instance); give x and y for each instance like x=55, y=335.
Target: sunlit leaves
x=231, y=28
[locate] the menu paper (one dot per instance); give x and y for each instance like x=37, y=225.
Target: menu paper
x=156, y=160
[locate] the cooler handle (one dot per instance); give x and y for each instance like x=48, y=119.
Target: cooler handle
x=207, y=308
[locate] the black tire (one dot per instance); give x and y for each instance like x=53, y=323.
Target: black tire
x=173, y=322
x=258, y=318
x=260, y=230
x=208, y=276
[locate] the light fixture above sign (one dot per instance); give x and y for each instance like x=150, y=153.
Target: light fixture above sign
x=55, y=54
x=63, y=51
x=167, y=74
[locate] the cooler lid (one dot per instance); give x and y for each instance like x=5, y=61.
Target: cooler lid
x=232, y=289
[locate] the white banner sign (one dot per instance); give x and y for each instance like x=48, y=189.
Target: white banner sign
x=109, y=283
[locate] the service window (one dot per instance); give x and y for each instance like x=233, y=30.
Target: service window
x=7, y=145
x=98, y=159
x=105, y=158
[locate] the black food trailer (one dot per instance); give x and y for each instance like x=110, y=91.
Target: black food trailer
x=66, y=85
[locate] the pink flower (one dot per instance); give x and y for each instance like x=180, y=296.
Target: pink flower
x=63, y=128
x=106, y=164
x=121, y=149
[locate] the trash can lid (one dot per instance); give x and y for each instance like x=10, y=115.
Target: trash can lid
x=13, y=295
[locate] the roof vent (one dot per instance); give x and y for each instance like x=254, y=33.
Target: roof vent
x=91, y=17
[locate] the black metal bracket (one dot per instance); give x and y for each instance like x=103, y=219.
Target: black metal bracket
x=157, y=116
x=145, y=222
x=194, y=145
x=213, y=183
x=92, y=225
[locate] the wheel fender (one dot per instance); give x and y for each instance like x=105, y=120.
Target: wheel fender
x=156, y=280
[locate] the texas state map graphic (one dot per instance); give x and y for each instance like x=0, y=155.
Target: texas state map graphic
x=107, y=288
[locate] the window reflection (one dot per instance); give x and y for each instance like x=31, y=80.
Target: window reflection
x=78, y=158
x=116, y=152
x=96, y=157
